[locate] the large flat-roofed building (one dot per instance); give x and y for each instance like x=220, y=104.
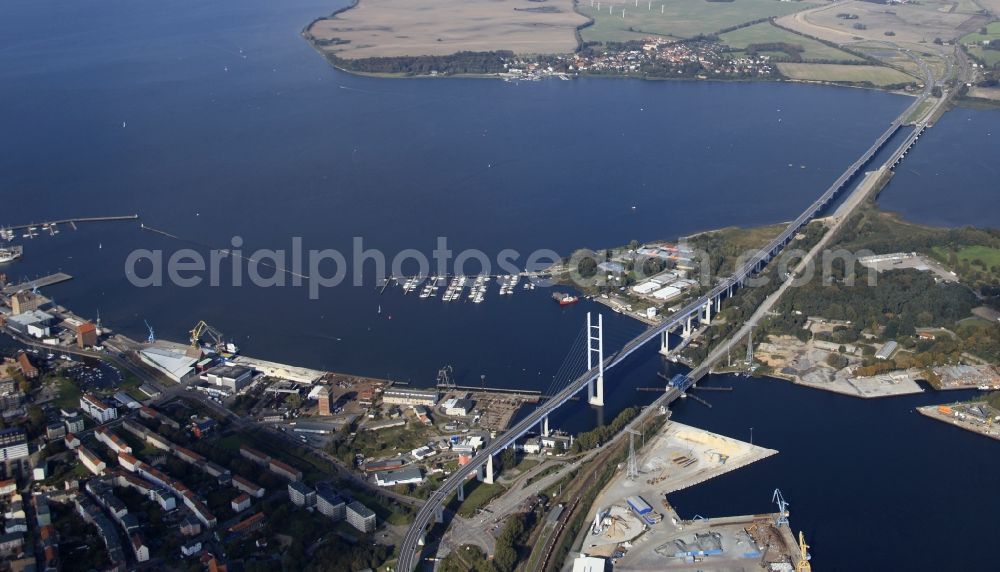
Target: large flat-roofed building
x=33, y=323
x=175, y=364
x=404, y=396
x=301, y=494
x=458, y=407
x=232, y=378
x=99, y=410
x=13, y=444
x=329, y=503
x=405, y=476
x=360, y=517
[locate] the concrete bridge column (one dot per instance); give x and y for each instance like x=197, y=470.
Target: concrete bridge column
x=461, y=492
x=707, y=311
x=488, y=479
x=439, y=514
x=545, y=426
x=686, y=333
x=665, y=342
x=718, y=304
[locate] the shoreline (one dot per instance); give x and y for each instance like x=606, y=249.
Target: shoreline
x=571, y=77
x=307, y=36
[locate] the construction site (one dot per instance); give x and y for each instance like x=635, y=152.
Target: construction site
x=635, y=540
x=632, y=514
x=807, y=363
x=491, y=408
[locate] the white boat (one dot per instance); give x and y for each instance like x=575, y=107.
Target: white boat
x=10, y=253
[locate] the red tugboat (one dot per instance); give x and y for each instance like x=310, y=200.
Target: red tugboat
x=564, y=299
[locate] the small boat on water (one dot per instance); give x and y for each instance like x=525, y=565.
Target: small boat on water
x=10, y=253
x=564, y=299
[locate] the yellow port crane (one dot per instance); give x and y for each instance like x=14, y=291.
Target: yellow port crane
x=217, y=341
x=803, y=565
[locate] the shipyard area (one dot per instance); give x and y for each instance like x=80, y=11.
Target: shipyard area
x=636, y=527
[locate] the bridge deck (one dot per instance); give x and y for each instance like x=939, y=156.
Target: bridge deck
x=409, y=550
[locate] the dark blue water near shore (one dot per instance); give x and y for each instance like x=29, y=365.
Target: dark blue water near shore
x=950, y=177
x=233, y=126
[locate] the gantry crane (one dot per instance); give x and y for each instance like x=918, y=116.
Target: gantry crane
x=779, y=499
x=217, y=341
x=803, y=565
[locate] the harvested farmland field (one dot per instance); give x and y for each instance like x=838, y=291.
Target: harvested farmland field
x=875, y=75
x=394, y=28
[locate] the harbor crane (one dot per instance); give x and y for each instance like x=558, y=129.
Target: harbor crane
x=214, y=335
x=778, y=499
x=444, y=378
x=804, y=556
x=152, y=334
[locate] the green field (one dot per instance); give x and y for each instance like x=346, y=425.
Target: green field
x=875, y=75
x=766, y=33
x=989, y=57
x=974, y=255
x=480, y=496
x=992, y=33
x=678, y=18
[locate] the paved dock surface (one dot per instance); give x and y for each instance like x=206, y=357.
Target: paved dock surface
x=42, y=282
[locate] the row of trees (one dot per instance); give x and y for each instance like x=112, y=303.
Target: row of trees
x=459, y=63
x=601, y=434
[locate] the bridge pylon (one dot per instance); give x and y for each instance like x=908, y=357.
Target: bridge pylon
x=595, y=358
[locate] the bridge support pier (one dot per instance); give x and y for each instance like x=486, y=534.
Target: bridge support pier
x=439, y=514
x=686, y=332
x=707, y=312
x=665, y=342
x=595, y=358
x=461, y=492
x=545, y=426
x=488, y=478
x=718, y=304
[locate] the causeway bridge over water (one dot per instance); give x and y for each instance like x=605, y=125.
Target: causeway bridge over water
x=700, y=311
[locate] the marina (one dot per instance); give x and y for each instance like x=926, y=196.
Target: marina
x=455, y=286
